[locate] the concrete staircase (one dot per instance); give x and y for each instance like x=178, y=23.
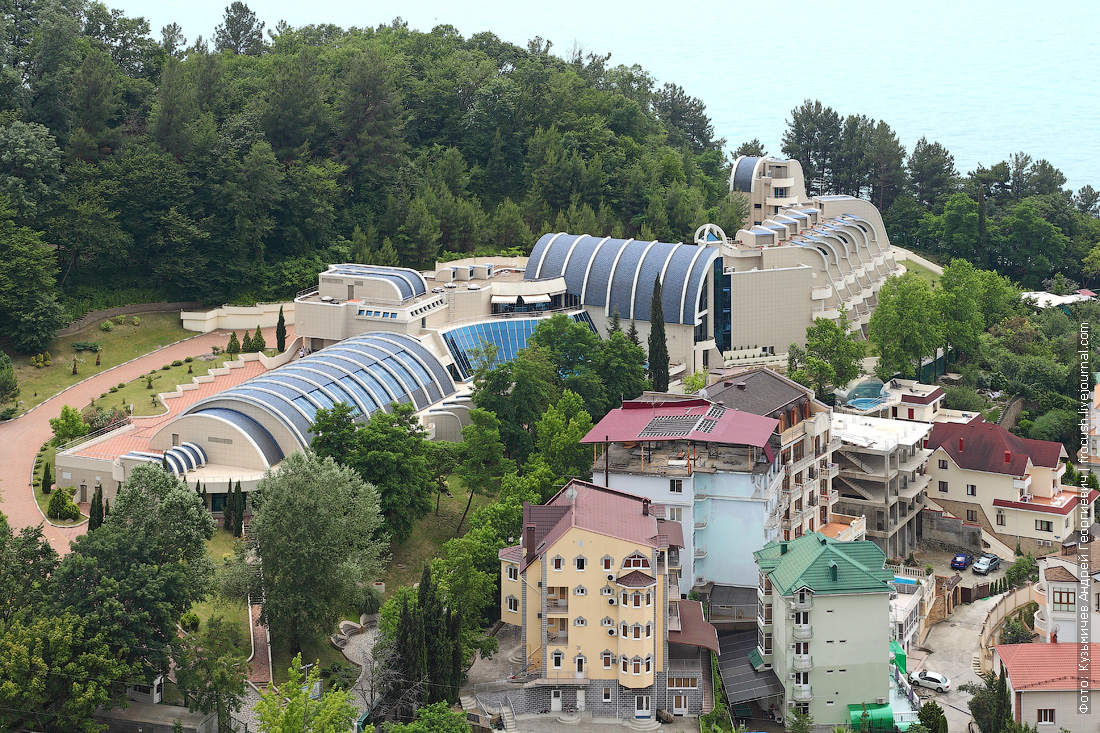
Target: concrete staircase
x=469, y=703
x=643, y=724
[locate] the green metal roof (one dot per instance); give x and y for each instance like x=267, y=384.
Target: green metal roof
x=808, y=562
x=879, y=717
x=755, y=660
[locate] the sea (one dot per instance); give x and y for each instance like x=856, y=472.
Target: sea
x=985, y=79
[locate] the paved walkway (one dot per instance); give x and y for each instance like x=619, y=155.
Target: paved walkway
x=23, y=436
x=954, y=642
x=261, y=657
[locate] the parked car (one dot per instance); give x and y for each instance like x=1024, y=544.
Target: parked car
x=962, y=561
x=986, y=563
x=931, y=680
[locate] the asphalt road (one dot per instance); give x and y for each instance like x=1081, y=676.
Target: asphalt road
x=954, y=642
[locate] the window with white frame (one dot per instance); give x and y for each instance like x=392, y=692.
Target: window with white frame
x=636, y=598
x=636, y=664
x=1064, y=600
x=683, y=683
x=556, y=659
x=648, y=629
x=648, y=664
x=513, y=572
x=557, y=563
x=676, y=485
x=636, y=562
x=637, y=631
x=513, y=604
x=580, y=621
x=608, y=659
x=580, y=590
x=676, y=513
x=607, y=694
x=580, y=563
x=624, y=630
x=607, y=622
x=624, y=598
x=1044, y=715
x=971, y=490
x=1044, y=525
x=624, y=662
x=607, y=590
x=649, y=598
x=608, y=562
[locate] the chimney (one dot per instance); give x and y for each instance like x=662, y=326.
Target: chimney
x=960, y=445
x=1008, y=456
x=742, y=386
x=645, y=507
x=782, y=548
x=529, y=541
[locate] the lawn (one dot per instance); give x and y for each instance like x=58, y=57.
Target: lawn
x=219, y=545
x=123, y=343
x=321, y=651
x=138, y=393
x=428, y=536
x=43, y=500
x=921, y=271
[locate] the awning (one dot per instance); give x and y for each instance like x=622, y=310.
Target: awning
x=740, y=678
x=755, y=660
x=536, y=299
x=694, y=629
x=898, y=655
x=504, y=299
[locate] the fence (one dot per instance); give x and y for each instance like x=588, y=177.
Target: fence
x=1004, y=608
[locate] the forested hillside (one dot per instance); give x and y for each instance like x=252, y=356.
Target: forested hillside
x=230, y=170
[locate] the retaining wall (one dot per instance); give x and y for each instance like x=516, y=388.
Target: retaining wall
x=1008, y=605
x=949, y=533
x=237, y=317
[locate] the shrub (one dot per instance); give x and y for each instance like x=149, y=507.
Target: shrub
x=136, y=321
x=166, y=367
x=61, y=506
x=121, y=385
x=8, y=413
x=105, y=394
x=177, y=362
x=86, y=345
x=112, y=390
x=189, y=621
x=189, y=359
x=106, y=327
x=964, y=398
x=120, y=320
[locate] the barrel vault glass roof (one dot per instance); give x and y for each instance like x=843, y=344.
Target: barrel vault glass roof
x=509, y=336
x=367, y=372
x=409, y=283
x=618, y=274
x=742, y=174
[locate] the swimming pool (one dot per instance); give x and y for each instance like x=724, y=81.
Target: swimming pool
x=865, y=403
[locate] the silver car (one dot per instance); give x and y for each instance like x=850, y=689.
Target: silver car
x=931, y=680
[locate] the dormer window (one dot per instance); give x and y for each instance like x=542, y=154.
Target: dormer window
x=636, y=561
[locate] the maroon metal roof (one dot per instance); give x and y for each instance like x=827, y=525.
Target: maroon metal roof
x=636, y=579
x=985, y=446
x=694, y=419
x=694, y=629
x=511, y=554
x=673, y=530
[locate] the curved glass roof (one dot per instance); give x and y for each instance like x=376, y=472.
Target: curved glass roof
x=409, y=283
x=508, y=335
x=619, y=273
x=368, y=372
x=742, y=174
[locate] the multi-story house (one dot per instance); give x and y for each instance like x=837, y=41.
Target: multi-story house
x=715, y=469
x=805, y=446
x=823, y=625
x=1046, y=685
x=1060, y=591
x=603, y=629
x=915, y=591
x=882, y=477
x=1011, y=486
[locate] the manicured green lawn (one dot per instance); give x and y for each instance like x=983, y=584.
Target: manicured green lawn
x=428, y=535
x=921, y=271
x=319, y=652
x=138, y=393
x=220, y=544
x=44, y=499
x=123, y=343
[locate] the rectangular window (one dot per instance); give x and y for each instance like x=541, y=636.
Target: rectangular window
x=1063, y=600
x=607, y=562
x=943, y=463
x=513, y=572
x=557, y=563
x=1044, y=715
x=972, y=515
x=676, y=485
x=513, y=604
x=1000, y=519
x=910, y=413
x=943, y=487
x=607, y=661
x=676, y=513
x=607, y=694
x=580, y=562
x=1043, y=525
x=971, y=490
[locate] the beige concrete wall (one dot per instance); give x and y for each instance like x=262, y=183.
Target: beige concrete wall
x=771, y=307
x=225, y=444
x=237, y=317
x=85, y=471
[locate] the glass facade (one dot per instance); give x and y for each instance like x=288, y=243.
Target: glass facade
x=509, y=336
x=723, y=293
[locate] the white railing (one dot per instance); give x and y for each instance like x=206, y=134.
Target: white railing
x=95, y=434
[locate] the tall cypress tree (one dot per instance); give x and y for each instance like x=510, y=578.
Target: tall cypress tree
x=106, y=509
x=280, y=332
x=228, y=514
x=47, y=478
x=238, y=508
x=95, y=514
x=658, y=346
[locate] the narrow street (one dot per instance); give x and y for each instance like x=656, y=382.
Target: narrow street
x=954, y=644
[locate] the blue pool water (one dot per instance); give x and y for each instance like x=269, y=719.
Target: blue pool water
x=865, y=403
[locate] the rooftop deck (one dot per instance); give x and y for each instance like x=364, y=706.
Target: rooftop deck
x=680, y=458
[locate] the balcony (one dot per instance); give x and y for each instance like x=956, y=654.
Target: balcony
x=1022, y=484
x=803, y=603
x=802, y=662
x=802, y=632
x=802, y=693
x=557, y=638
x=700, y=553
x=1041, y=623
x=674, y=558
x=557, y=605
x=829, y=470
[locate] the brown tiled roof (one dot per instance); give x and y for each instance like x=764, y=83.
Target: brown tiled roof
x=694, y=629
x=1059, y=574
x=1048, y=666
x=636, y=579
x=673, y=530
x=512, y=554
x=985, y=445
x=764, y=392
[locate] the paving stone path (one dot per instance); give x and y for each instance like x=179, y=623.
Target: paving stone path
x=21, y=438
x=261, y=658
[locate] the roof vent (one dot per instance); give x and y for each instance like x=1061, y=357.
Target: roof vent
x=782, y=548
x=1008, y=456
x=960, y=445
x=742, y=385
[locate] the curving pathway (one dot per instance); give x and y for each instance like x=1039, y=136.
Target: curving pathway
x=21, y=438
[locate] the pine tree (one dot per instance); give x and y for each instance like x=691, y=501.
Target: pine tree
x=615, y=324
x=47, y=478
x=258, y=342
x=280, y=332
x=246, y=344
x=658, y=347
x=238, y=507
x=234, y=346
x=632, y=333
x=198, y=488
x=387, y=255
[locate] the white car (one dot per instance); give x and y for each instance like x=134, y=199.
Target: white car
x=931, y=680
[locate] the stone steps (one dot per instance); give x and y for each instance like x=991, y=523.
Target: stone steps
x=642, y=724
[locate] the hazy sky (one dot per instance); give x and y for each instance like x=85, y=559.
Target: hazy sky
x=986, y=79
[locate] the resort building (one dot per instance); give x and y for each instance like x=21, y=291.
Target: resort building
x=900, y=399
x=805, y=445
x=1059, y=590
x=715, y=469
x=882, y=477
x=1046, y=686
x=823, y=637
x=602, y=626
x=1010, y=486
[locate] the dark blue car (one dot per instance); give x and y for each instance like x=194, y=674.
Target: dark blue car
x=962, y=561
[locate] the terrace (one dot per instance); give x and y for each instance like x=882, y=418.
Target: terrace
x=682, y=458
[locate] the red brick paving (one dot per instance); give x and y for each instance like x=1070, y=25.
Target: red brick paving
x=21, y=438
x=261, y=659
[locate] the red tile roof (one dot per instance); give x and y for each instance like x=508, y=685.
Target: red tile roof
x=1047, y=666
x=694, y=629
x=636, y=579
x=694, y=419
x=985, y=445
x=597, y=509
x=511, y=554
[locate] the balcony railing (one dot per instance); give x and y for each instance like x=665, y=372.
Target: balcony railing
x=803, y=632
x=557, y=605
x=804, y=603
x=557, y=638
x=803, y=662
x=802, y=693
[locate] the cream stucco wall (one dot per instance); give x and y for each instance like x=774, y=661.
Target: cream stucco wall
x=237, y=317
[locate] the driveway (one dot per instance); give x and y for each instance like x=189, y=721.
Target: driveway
x=954, y=643
x=23, y=436
x=941, y=561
